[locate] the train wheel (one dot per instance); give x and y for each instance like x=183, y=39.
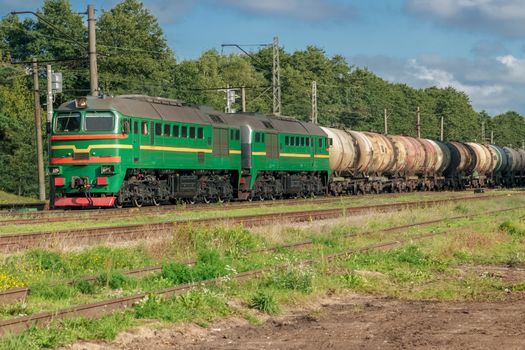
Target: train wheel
x=155, y=201
x=137, y=202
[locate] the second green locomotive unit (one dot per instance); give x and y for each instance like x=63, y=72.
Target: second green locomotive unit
x=136, y=150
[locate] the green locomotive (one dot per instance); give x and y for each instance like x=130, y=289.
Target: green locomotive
x=135, y=150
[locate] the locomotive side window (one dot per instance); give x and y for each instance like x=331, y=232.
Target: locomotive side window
x=192, y=132
x=237, y=135
x=293, y=141
x=320, y=142
x=184, y=130
x=257, y=137
x=167, y=129
x=158, y=129
x=136, y=128
x=99, y=121
x=302, y=141
x=145, y=128
x=287, y=140
x=200, y=133
x=175, y=131
x=307, y=142
x=67, y=122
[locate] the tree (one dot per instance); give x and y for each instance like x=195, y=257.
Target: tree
x=134, y=55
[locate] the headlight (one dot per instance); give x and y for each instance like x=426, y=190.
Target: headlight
x=107, y=169
x=54, y=170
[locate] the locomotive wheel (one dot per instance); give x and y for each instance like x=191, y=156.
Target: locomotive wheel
x=155, y=201
x=138, y=202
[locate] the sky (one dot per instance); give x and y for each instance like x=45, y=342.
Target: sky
x=476, y=46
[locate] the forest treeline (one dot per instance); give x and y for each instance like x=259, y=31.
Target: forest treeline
x=134, y=58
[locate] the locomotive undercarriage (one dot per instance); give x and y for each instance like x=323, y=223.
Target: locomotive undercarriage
x=154, y=187
x=276, y=185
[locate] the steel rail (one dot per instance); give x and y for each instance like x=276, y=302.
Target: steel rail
x=13, y=242
x=16, y=294
x=101, y=308
x=98, y=214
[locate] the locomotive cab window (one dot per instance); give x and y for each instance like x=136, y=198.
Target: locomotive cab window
x=257, y=137
x=136, y=128
x=158, y=129
x=237, y=135
x=67, y=122
x=99, y=121
x=144, y=128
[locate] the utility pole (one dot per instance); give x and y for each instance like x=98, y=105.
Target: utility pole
x=483, y=139
x=49, y=108
x=418, y=125
x=314, y=102
x=441, y=138
x=386, y=122
x=243, y=99
x=93, y=72
x=38, y=126
x=276, y=78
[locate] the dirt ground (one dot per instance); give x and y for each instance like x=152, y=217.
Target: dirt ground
x=349, y=322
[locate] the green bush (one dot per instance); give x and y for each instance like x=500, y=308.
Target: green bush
x=352, y=280
x=413, y=256
x=85, y=287
x=46, y=260
x=209, y=265
x=512, y=228
x=113, y=280
x=177, y=273
x=264, y=301
x=291, y=278
x=53, y=292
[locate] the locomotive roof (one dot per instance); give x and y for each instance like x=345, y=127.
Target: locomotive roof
x=177, y=111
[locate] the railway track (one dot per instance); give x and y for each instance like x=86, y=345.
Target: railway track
x=16, y=294
x=101, y=308
x=19, y=206
x=13, y=242
x=43, y=217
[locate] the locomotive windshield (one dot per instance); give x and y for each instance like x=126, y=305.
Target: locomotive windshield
x=99, y=121
x=67, y=122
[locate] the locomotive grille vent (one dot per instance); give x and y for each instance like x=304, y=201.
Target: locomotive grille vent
x=81, y=155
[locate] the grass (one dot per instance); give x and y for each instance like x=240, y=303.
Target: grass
x=9, y=198
x=429, y=269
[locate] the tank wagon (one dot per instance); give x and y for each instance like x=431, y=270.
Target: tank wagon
x=136, y=150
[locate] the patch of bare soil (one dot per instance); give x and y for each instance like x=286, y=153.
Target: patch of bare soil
x=353, y=321
x=350, y=322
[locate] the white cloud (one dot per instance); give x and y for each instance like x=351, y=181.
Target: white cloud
x=498, y=16
x=515, y=69
x=494, y=84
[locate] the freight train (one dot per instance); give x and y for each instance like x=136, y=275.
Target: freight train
x=141, y=150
